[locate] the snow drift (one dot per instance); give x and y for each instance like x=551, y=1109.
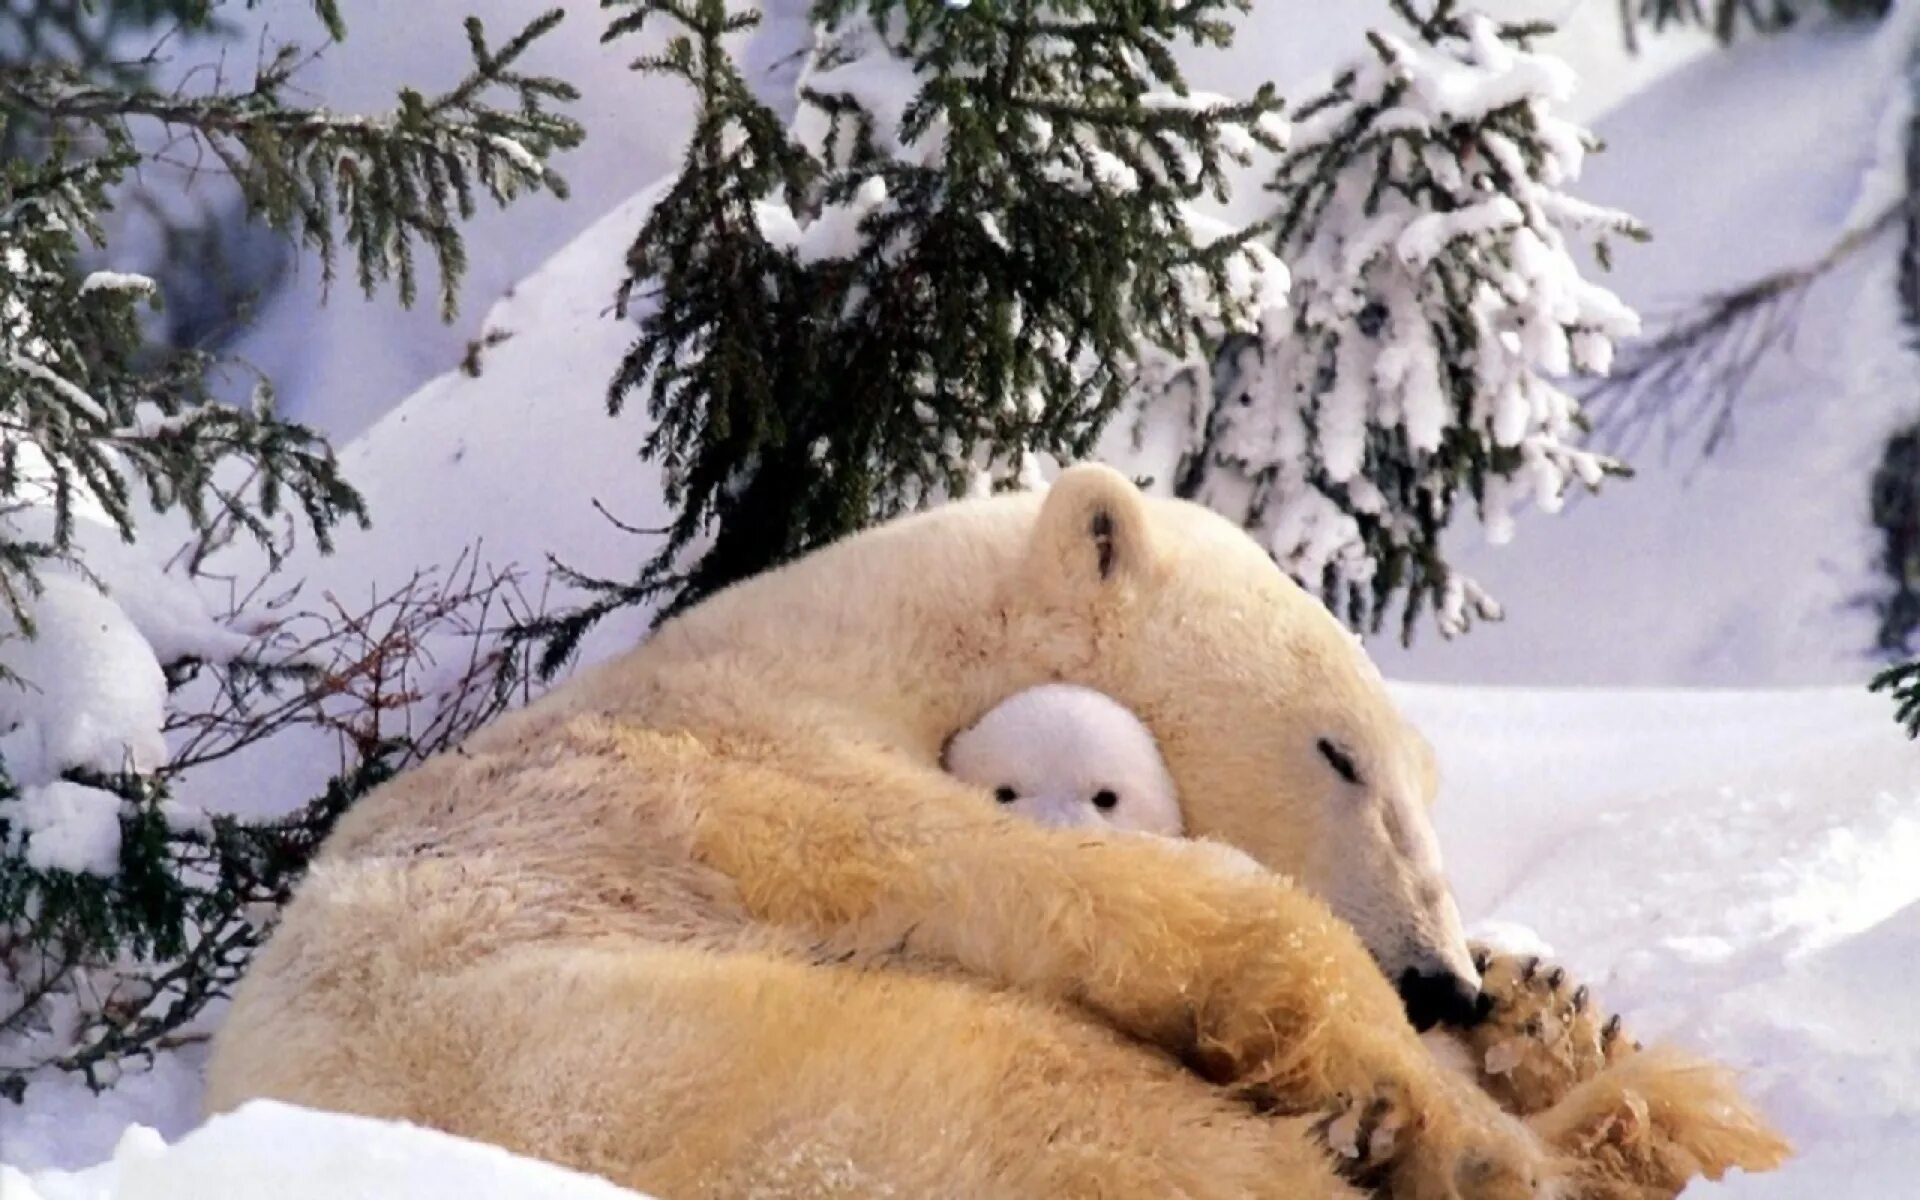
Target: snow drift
x=268, y=1151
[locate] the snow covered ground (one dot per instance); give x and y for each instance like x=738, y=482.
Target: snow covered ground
x=267, y=1149
x=1733, y=871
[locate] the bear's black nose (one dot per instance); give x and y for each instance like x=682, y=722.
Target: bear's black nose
x=1440, y=998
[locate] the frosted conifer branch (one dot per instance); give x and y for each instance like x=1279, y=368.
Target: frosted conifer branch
x=1435, y=306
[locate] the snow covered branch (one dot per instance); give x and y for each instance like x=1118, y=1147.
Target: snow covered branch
x=954, y=262
x=1435, y=305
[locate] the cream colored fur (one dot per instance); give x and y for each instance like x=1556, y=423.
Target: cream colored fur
x=709, y=920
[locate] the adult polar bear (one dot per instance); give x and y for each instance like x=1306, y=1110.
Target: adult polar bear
x=710, y=920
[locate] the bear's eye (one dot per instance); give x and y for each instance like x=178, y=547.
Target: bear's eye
x=1104, y=799
x=1339, y=760
x=1005, y=795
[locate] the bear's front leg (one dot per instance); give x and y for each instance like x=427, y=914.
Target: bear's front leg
x=1298, y=1020
x=1248, y=979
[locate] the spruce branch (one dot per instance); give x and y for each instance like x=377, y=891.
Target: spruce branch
x=1901, y=682
x=920, y=298
x=1434, y=305
x=392, y=182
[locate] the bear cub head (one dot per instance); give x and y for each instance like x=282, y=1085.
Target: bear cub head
x=1069, y=757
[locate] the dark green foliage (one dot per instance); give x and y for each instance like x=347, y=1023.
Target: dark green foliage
x=1902, y=683
x=1728, y=17
x=76, y=381
x=1021, y=235
x=186, y=904
x=88, y=415
x=1896, y=514
x=395, y=183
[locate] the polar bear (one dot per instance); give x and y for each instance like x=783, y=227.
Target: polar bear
x=711, y=920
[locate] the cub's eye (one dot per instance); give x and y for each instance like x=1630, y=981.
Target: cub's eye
x=1339, y=760
x=1005, y=795
x=1105, y=799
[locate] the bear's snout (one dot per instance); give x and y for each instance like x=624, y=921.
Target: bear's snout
x=1440, y=998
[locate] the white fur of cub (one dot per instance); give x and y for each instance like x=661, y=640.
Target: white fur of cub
x=1071, y=757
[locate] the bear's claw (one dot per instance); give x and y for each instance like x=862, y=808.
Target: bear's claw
x=1540, y=1039
x=1393, y=1145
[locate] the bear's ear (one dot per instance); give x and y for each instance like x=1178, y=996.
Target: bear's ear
x=1093, y=535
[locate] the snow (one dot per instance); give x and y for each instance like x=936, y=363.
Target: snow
x=117, y=281
x=266, y=1149
x=1732, y=870
x=68, y=827
x=91, y=693
x=71, y=392
x=88, y=690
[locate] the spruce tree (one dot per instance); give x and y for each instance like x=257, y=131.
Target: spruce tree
x=1436, y=308
x=955, y=261
x=121, y=916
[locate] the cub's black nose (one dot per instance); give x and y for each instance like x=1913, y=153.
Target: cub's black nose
x=1440, y=998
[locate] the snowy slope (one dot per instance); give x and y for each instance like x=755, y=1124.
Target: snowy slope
x=1733, y=871
x=1748, y=569
x=266, y=1150
x=1730, y=870
x=507, y=466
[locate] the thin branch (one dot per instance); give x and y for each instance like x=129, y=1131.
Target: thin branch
x=1688, y=380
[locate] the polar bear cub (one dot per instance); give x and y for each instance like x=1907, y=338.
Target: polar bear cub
x=1071, y=757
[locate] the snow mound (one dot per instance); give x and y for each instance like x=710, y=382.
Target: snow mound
x=1733, y=872
x=269, y=1151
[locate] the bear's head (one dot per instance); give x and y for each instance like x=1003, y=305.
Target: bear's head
x=1277, y=729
